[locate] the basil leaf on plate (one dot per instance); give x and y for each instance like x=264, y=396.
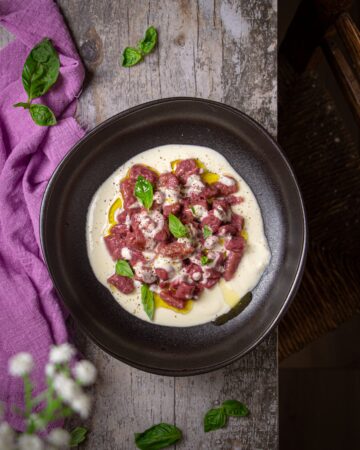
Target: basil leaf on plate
x=41, y=69
x=77, y=436
x=235, y=408
x=147, y=44
x=157, y=437
x=42, y=115
x=148, y=302
x=205, y=260
x=144, y=191
x=176, y=227
x=214, y=419
x=207, y=232
x=123, y=268
x=130, y=57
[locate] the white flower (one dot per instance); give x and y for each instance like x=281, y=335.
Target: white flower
x=7, y=436
x=82, y=404
x=59, y=437
x=50, y=370
x=61, y=353
x=85, y=372
x=37, y=421
x=30, y=442
x=21, y=364
x=66, y=388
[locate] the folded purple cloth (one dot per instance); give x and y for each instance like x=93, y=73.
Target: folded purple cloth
x=31, y=318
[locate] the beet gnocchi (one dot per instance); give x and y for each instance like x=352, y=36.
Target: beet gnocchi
x=177, y=234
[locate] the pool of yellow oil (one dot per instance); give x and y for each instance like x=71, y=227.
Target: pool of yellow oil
x=160, y=303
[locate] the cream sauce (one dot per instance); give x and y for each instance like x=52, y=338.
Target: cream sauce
x=212, y=302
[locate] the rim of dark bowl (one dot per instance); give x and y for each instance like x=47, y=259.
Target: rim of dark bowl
x=294, y=285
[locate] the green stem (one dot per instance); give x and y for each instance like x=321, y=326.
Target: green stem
x=54, y=408
x=28, y=403
x=27, y=391
x=64, y=413
x=49, y=415
x=39, y=398
x=65, y=369
x=47, y=411
x=53, y=404
x=50, y=402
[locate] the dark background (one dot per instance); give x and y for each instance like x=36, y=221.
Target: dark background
x=320, y=385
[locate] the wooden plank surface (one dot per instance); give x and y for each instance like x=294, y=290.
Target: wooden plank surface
x=223, y=50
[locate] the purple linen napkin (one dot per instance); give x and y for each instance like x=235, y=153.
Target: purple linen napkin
x=31, y=318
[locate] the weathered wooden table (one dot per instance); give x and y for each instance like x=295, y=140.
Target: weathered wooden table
x=223, y=50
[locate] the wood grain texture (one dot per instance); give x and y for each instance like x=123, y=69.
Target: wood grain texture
x=344, y=74
x=323, y=154
x=350, y=36
x=221, y=50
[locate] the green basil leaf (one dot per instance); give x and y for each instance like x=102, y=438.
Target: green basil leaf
x=130, y=57
x=41, y=69
x=157, y=437
x=193, y=210
x=144, y=191
x=123, y=268
x=214, y=419
x=147, y=44
x=176, y=227
x=42, y=115
x=147, y=299
x=22, y=104
x=207, y=232
x=235, y=409
x=77, y=436
x=205, y=260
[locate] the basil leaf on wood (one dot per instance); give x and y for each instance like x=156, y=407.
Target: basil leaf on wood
x=77, y=436
x=41, y=69
x=176, y=227
x=144, y=191
x=42, y=115
x=130, y=57
x=157, y=437
x=123, y=268
x=235, y=408
x=147, y=44
x=207, y=232
x=214, y=419
x=147, y=300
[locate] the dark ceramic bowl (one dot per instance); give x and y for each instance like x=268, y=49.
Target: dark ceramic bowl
x=253, y=154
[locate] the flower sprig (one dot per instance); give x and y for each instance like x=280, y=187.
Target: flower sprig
x=64, y=396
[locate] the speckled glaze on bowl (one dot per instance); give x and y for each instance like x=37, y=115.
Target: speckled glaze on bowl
x=253, y=154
